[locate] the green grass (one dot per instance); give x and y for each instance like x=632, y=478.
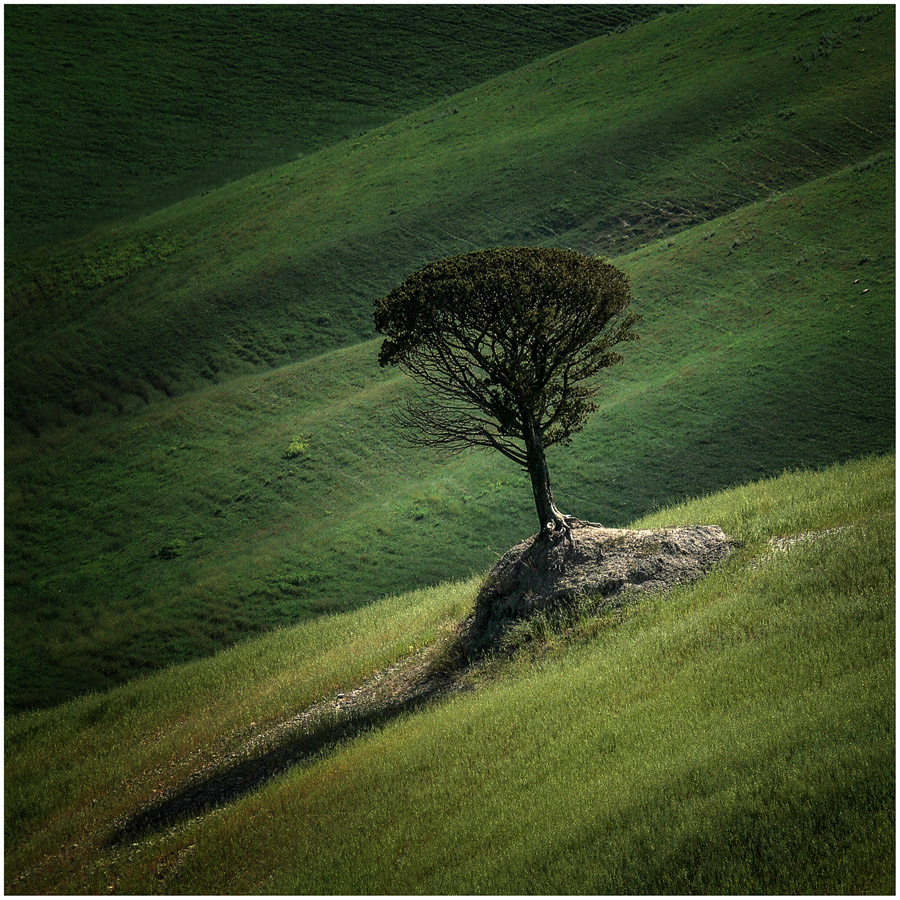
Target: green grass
x=210, y=525
x=735, y=736
x=165, y=102
x=603, y=146
x=759, y=353
x=176, y=525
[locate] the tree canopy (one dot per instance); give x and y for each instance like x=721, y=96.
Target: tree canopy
x=507, y=344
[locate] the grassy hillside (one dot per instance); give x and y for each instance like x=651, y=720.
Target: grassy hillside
x=161, y=102
x=211, y=528
x=736, y=736
x=767, y=344
x=602, y=147
x=151, y=513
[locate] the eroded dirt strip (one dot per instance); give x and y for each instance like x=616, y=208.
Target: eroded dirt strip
x=402, y=687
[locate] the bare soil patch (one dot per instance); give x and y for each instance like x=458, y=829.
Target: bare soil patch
x=553, y=568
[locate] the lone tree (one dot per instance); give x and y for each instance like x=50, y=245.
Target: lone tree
x=507, y=344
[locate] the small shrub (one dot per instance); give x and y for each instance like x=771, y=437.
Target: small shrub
x=297, y=447
x=171, y=550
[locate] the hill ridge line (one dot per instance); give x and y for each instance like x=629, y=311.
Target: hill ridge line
x=244, y=382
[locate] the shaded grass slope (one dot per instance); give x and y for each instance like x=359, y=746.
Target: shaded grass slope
x=161, y=102
x=767, y=344
x=602, y=147
x=735, y=735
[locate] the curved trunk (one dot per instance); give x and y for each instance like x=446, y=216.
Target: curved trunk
x=550, y=517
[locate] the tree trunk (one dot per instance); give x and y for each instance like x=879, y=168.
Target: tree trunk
x=550, y=517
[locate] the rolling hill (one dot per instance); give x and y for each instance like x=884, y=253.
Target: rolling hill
x=148, y=525
x=161, y=102
x=735, y=736
x=602, y=147
x=223, y=566
x=765, y=345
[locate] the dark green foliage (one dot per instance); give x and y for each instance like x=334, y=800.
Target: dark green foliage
x=499, y=333
x=172, y=550
x=508, y=344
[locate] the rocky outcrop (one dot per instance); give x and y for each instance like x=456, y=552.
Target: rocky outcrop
x=549, y=569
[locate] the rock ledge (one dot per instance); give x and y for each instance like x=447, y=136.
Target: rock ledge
x=547, y=570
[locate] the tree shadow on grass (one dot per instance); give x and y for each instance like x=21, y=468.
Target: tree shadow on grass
x=314, y=732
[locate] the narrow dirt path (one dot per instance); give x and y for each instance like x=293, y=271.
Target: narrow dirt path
x=404, y=686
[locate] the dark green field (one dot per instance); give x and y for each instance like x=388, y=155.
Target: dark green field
x=755, y=337
x=162, y=102
x=285, y=264
x=759, y=352
x=210, y=523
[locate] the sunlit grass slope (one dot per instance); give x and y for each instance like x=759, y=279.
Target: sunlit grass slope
x=161, y=102
x=602, y=147
x=733, y=736
x=767, y=343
